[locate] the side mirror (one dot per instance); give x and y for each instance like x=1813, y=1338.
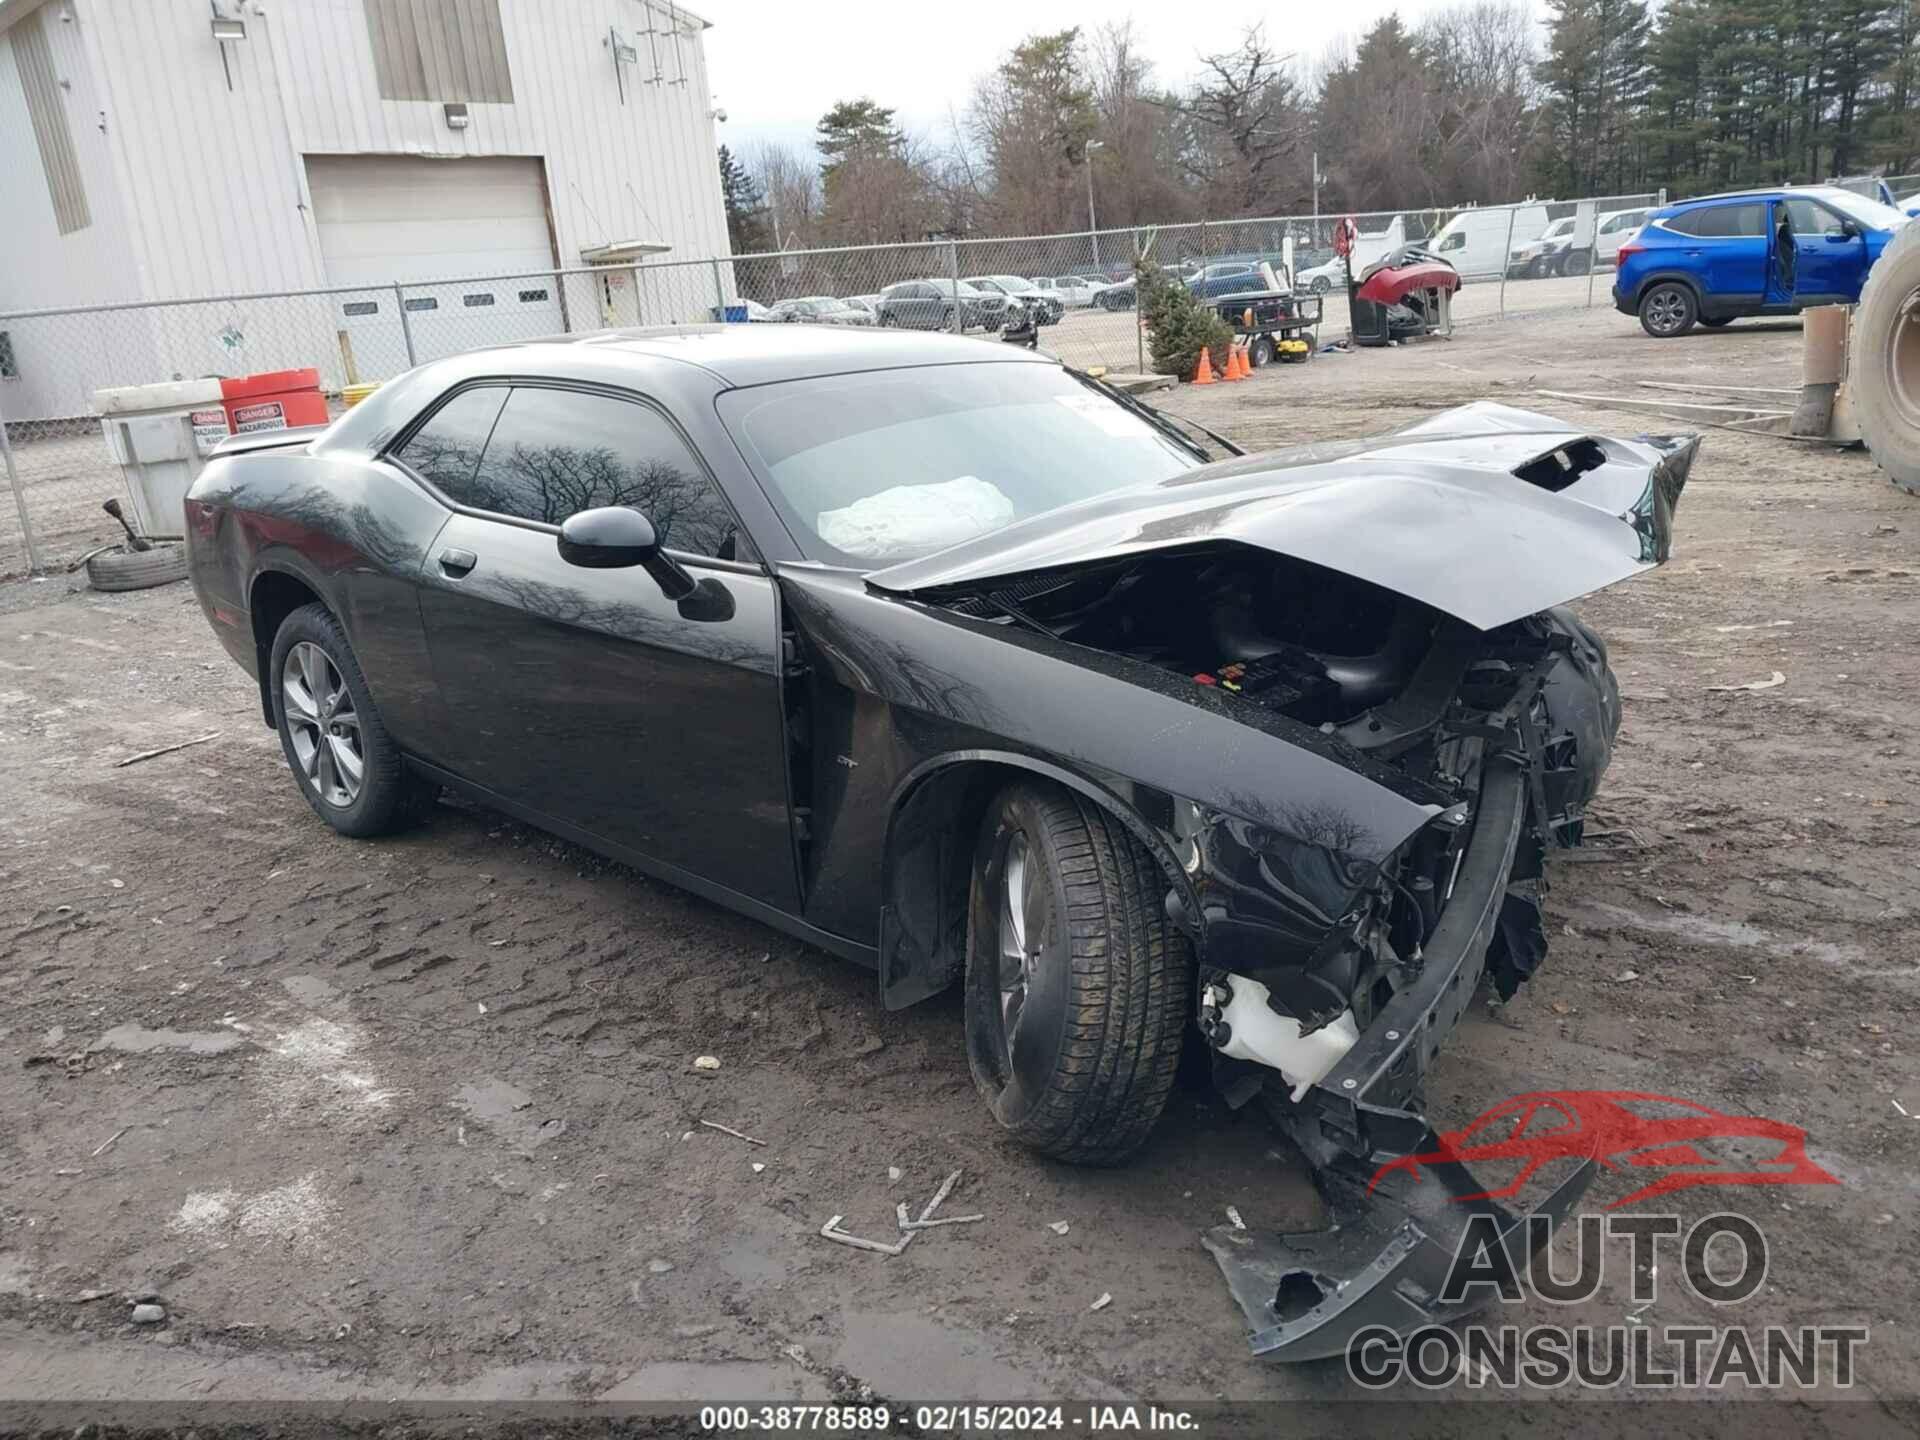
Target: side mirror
x=613, y=537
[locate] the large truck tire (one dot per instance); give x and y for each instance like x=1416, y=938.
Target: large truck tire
x=1883, y=368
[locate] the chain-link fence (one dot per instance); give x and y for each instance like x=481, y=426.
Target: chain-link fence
x=59, y=461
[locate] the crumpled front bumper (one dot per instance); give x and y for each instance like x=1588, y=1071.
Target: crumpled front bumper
x=1385, y=1257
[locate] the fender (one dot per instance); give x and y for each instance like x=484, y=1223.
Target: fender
x=923, y=945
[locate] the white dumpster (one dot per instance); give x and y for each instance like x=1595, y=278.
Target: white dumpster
x=160, y=436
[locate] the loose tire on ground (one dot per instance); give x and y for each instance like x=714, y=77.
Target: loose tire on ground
x=1883, y=366
x=387, y=797
x=1103, y=977
x=1668, y=310
x=137, y=569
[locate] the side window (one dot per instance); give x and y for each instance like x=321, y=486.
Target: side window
x=1456, y=241
x=555, y=452
x=1811, y=219
x=446, y=450
x=1722, y=222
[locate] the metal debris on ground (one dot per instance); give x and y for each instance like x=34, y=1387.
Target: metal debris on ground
x=1059, y=1227
x=1777, y=678
x=108, y=1143
x=729, y=1130
x=1105, y=1300
x=909, y=1227
x=166, y=750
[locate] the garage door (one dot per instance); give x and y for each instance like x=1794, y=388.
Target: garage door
x=387, y=218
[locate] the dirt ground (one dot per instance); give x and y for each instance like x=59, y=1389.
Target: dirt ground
x=419, y=1118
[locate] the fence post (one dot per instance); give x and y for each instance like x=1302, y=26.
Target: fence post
x=36, y=562
x=1139, y=335
x=1593, y=250
x=953, y=274
x=406, y=325
x=719, y=292
x=1506, y=262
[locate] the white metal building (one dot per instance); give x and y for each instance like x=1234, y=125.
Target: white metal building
x=162, y=149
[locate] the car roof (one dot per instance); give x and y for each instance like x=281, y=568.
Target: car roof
x=1763, y=192
x=677, y=363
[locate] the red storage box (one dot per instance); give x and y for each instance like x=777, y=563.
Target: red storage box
x=279, y=400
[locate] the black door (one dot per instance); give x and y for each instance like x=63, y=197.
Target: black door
x=585, y=694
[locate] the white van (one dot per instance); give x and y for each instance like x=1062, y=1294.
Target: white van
x=1478, y=242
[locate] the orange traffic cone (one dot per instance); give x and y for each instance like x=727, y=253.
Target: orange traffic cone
x=1232, y=370
x=1241, y=369
x=1202, y=371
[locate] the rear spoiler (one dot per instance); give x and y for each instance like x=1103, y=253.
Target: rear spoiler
x=269, y=439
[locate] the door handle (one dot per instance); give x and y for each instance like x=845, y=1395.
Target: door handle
x=457, y=563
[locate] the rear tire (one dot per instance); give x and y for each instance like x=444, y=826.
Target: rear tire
x=1668, y=310
x=328, y=723
x=1092, y=977
x=1883, y=366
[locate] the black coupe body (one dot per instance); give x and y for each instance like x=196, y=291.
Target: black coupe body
x=947, y=659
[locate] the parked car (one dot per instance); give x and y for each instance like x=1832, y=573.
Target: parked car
x=1543, y=254
x=1074, y=292
x=1319, y=279
x=1717, y=258
x=756, y=312
x=929, y=305
x=1046, y=308
x=1610, y=232
x=822, y=310
x=1478, y=242
x=1260, y=745
x=1232, y=277
x=868, y=303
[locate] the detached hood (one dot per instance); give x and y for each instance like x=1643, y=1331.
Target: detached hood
x=1485, y=512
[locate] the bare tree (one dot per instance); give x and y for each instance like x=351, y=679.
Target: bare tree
x=1244, y=129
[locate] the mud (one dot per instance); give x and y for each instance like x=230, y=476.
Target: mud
x=451, y=1117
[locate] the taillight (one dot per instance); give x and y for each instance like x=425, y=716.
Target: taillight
x=1620, y=255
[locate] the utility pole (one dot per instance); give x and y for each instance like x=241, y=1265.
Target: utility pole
x=1093, y=225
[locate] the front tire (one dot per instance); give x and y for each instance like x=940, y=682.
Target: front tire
x=342, y=757
x=1321, y=285
x=1077, y=984
x=1667, y=310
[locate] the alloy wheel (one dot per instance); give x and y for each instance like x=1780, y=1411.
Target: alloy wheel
x=323, y=725
x=1025, y=924
x=1666, y=310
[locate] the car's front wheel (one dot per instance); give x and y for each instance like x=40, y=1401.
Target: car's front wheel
x=1321, y=284
x=1668, y=309
x=341, y=755
x=1077, y=984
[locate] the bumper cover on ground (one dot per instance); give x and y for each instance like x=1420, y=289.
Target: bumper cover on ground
x=1383, y=1262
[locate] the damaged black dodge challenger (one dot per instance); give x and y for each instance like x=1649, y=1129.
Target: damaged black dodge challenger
x=963, y=665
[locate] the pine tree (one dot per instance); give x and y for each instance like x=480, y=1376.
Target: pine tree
x=745, y=205
x=1178, y=325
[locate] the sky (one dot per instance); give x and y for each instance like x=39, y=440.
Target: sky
x=775, y=66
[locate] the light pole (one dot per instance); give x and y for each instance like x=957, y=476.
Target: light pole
x=1093, y=225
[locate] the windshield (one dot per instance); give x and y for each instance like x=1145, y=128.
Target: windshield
x=1870, y=213
x=1013, y=283
x=886, y=466
x=1557, y=229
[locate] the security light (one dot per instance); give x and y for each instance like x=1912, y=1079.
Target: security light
x=457, y=116
x=225, y=30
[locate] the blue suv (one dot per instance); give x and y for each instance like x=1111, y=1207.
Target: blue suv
x=1754, y=252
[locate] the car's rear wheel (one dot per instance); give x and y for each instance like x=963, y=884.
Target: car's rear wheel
x=341, y=755
x=1577, y=262
x=1077, y=984
x=1668, y=309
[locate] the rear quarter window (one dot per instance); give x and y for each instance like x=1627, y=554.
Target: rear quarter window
x=445, y=452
